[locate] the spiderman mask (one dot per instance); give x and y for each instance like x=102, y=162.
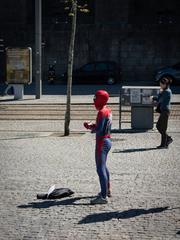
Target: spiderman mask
x=100, y=99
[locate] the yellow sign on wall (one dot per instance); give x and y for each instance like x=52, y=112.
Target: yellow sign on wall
x=18, y=65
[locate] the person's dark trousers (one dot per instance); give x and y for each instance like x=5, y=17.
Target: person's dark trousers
x=161, y=125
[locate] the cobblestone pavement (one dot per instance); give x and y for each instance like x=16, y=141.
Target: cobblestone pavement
x=145, y=184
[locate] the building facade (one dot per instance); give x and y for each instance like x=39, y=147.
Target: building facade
x=141, y=36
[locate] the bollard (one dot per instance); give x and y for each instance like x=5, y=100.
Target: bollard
x=18, y=91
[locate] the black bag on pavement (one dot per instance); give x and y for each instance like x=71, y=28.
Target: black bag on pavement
x=56, y=193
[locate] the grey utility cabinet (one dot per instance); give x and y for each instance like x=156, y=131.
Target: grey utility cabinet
x=142, y=108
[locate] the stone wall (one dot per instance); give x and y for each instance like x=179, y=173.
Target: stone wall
x=138, y=52
x=138, y=47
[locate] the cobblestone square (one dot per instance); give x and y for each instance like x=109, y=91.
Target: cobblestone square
x=145, y=184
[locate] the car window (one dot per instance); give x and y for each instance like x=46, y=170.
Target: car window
x=101, y=67
x=88, y=67
x=176, y=66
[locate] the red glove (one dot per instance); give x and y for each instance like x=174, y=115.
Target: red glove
x=86, y=125
x=89, y=125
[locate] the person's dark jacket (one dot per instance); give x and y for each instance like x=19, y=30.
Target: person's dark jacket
x=164, y=99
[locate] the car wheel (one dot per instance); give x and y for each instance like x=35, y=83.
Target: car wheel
x=110, y=81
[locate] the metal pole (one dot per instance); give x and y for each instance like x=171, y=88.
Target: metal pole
x=38, y=41
x=120, y=107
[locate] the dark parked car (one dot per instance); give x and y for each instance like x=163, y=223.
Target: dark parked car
x=96, y=73
x=172, y=72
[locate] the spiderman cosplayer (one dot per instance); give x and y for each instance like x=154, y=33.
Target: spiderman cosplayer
x=102, y=128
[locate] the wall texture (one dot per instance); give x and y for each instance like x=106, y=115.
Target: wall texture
x=139, y=37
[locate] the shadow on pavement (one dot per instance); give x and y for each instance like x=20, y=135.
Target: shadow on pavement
x=134, y=150
x=52, y=203
x=18, y=100
x=20, y=138
x=129, y=130
x=7, y=100
x=106, y=216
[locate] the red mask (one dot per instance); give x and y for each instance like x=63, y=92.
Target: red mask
x=100, y=99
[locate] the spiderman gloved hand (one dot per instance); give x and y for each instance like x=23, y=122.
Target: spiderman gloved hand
x=89, y=125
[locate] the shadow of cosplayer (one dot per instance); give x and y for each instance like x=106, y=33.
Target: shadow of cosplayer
x=101, y=217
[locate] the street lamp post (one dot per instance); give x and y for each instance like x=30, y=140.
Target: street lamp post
x=38, y=41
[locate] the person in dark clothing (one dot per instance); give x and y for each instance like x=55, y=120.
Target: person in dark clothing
x=163, y=107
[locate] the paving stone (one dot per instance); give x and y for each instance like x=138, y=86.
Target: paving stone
x=145, y=185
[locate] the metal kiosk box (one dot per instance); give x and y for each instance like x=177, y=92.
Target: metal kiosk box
x=142, y=108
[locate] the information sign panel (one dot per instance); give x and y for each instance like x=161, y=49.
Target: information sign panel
x=138, y=95
x=18, y=65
